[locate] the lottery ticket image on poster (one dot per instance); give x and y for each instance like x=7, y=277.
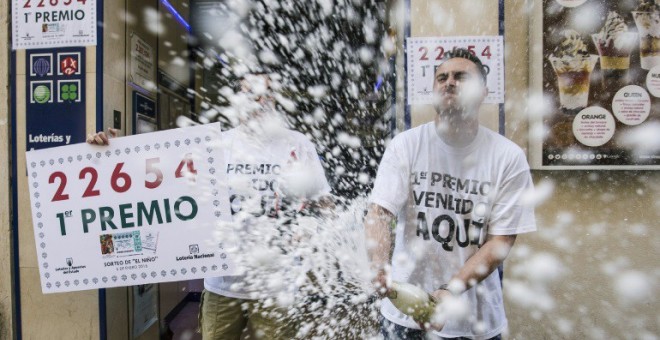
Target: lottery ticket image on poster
x=121, y=244
x=150, y=242
x=107, y=246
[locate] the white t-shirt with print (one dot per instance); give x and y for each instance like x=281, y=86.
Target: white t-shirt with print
x=255, y=167
x=447, y=200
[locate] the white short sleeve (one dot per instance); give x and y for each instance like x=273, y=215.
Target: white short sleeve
x=510, y=213
x=392, y=183
x=311, y=159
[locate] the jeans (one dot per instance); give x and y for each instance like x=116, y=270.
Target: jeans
x=391, y=331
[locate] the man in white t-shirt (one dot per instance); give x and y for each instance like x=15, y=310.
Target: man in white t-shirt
x=273, y=173
x=456, y=191
x=263, y=157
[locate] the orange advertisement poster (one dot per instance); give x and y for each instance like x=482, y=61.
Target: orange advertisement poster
x=601, y=79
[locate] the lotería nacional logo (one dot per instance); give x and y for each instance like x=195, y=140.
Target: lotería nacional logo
x=194, y=248
x=194, y=254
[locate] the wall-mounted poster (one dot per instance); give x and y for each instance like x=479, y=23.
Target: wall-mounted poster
x=599, y=71
x=425, y=53
x=53, y=23
x=145, y=308
x=143, y=66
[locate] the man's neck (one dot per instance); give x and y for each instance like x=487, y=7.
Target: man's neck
x=457, y=129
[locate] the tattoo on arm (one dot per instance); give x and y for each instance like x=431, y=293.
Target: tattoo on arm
x=377, y=226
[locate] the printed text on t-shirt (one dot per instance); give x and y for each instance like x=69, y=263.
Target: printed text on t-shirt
x=253, y=169
x=445, y=227
x=261, y=199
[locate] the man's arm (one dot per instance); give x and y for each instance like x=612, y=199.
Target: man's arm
x=511, y=213
x=480, y=265
x=324, y=205
x=379, y=239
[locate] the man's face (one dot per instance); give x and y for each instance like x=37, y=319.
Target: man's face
x=257, y=87
x=256, y=106
x=256, y=96
x=458, y=86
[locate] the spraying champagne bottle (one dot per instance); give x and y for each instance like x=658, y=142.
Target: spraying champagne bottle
x=412, y=301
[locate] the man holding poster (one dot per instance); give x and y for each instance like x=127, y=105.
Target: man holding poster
x=272, y=173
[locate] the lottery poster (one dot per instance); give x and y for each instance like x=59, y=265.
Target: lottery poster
x=144, y=209
x=601, y=83
x=53, y=23
x=424, y=54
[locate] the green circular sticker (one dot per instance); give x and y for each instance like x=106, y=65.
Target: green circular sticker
x=41, y=94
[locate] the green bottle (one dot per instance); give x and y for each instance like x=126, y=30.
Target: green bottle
x=412, y=301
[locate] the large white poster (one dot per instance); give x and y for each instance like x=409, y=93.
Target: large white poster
x=142, y=210
x=426, y=53
x=53, y=23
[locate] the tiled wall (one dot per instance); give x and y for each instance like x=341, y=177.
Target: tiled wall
x=599, y=226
